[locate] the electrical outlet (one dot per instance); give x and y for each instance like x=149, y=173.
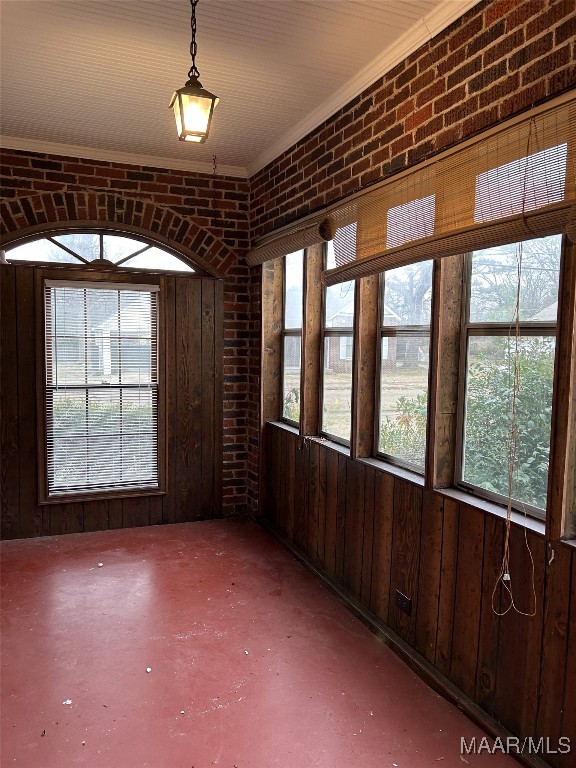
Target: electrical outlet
x=403, y=602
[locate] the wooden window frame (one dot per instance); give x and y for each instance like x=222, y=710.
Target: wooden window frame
x=504, y=330
x=447, y=339
x=294, y=334
x=393, y=332
x=83, y=275
x=337, y=332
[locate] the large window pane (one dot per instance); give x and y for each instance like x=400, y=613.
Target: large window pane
x=408, y=295
x=337, y=387
x=292, y=342
x=41, y=250
x=117, y=248
x=157, y=259
x=293, y=289
x=86, y=245
x=339, y=306
x=291, y=378
x=490, y=431
x=494, y=281
x=404, y=397
x=404, y=357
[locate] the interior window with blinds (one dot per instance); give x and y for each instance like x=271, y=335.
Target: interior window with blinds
x=101, y=387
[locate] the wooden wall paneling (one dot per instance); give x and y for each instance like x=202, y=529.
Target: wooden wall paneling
x=520, y=637
x=368, y=534
x=291, y=444
x=468, y=595
x=218, y=432
x=156, y=509
x=9, y=448
x=136, y=511
x=267, y=491
x=66, y=518
x=46, y=523
x=450, y=533
x=30, y=512
x=342, y=479
x=406, y=534
x=331, y=516
x=273, y=441
x=554, y=642
x=188, y=457
x=426, y=629
x=569, y=708
x=489, y=620
x=95, y=515
x=354, y=528
x=382, y=546
x=187, y=368
x=311, y=451
x=54, y=519
x=171, y=395
x=322, y=489
x=282, y=483
x=209, y=395
x=301, y=511
x=115, y=513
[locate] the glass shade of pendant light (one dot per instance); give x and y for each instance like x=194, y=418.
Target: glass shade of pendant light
x=193, y=105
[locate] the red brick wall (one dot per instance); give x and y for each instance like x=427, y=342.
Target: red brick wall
x=500, y=58
x=207, y=216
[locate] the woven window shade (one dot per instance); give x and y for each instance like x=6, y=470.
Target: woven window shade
x=515, y=184
x=289, y=242
x=345, y=244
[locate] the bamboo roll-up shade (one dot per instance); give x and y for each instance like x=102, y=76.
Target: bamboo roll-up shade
x=291, y=241
x=515, y=184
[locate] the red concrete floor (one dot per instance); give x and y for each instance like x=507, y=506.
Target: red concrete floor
x=253, y=663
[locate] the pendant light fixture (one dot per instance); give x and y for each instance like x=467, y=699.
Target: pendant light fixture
x=193, y=105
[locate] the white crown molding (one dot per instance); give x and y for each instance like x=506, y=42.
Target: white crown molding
x=106, y=155
x=427, y=28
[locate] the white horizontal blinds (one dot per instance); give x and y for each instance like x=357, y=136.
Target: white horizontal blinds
x=512, y=185
x=101, y=387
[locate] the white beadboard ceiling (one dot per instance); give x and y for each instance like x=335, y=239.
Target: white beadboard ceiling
x=93, y=78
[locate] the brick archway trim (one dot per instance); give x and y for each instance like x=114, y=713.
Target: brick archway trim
x=37, y=214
